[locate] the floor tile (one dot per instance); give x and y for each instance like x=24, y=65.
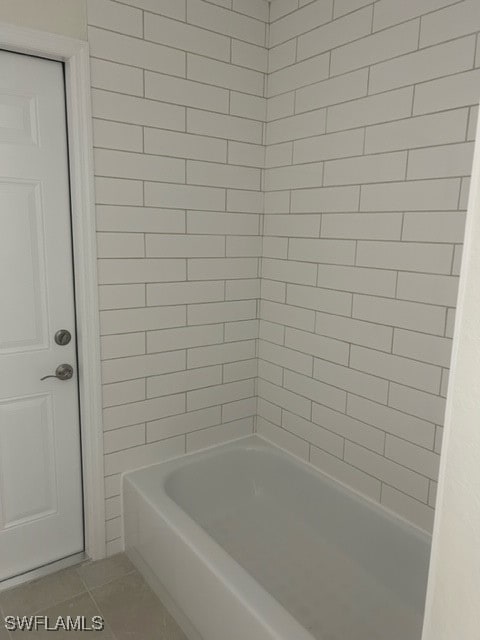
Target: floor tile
x=131, y=608
x=32, y=597
x=82, y=605
x=95, y=574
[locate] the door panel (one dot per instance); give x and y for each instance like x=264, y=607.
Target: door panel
x=41, y=516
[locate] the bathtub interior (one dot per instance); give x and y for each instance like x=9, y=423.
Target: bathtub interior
x=341, y=565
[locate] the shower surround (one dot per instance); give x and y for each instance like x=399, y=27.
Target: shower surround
x=323, y=150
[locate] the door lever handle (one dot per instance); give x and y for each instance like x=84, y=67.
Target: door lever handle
x=62, y=372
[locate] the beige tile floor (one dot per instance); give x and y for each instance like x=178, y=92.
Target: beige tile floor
x=111, y=588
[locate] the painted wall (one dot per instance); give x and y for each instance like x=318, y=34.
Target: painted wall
x=371, y=117
x=67, y=17
x=178, y=108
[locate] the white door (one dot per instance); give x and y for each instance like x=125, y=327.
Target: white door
x=41, y=517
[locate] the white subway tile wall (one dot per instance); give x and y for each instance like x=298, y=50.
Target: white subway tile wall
x=371, y=110
x=281, y=193
x=179, y=111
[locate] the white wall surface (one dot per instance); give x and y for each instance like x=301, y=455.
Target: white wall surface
x=179, y=107
x=67, y=17
x=371, y=118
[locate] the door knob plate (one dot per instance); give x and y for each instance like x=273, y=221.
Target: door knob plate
x=63, y=337
x=62, y=372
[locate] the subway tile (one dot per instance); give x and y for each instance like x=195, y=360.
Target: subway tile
x=389, y=12
x=115, y=17
x=249, y=55
x=322, y=251
x=417, y=403
x=126, y=320
x=171, y=8
x=162, y=340
x=332, y=91
x=294, y=127
x=327, y=300
x=325, y=199
x=223, y=126
x=142, y=366
x=283, y=55
x=133, y=51
x=239, y=200
x=380, y=46
x=173, y=383
x=183, y=423
x=432, y=289
x=289, y=271
x=120, y=346
x=116, y=77
x=122, y=108
x=392, y=421
x=218, y=354
x=411, y=456
x=138, y=166
x=371, y=110
x=221, y=311
x=283, y=438
x=313, y=433
x=285, y=357
x=419, y=195
x=183, y=196
x=239, y=409
x=314, y=389
x=297, y=22
x=115, y=135
x=279, y=8
x=293, y=177
x=243, y=153
x=242, y=289
x=186, y=37
x=220, y=394
x=432, y=349
x=335, y=33
x=453, y=91
x=377, y=168
x=222, y=175
x=184, y=246
x=205, y=438
x=273, y=374
x=278, y=155
x=124, y=271
x=124, y=438
x=184, y=293
x=240, y=370
x=184, y=145
x=441, y=162
x=225, y=22
x=144, y=455
x=124, y=218
x=248, y=106
x=342, y=7
x=393, y=367
x=298, y=75
x=316, y=345
x=118, y=191
x=292, y=225
x=405, y=256
x=348, y=427
x=258, y=9
x=434, y=227
x=354, y=331
x=225, y=75
x=135, y=412
x=450, y=22
x=243, y=246
x=185, y=92
x=363, y=226
x=280, y=106
x=350, y=380
x=199, y=222
x=120, y=245
x=357, y=279
x=398, y=313
x=345, y=473
x=284, y=398
x=413, y=510
x=329, y=146
x=426, y=64
x=276, y=202
x=421, y=131
x=287, y=315
x=215, y=268
x=123, y=392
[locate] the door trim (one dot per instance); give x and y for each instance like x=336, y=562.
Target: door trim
x=75, y=55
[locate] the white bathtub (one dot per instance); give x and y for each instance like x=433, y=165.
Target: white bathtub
x=245, y=542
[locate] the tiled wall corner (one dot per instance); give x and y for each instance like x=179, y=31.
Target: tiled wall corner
x=179, y=111
x=371, y=115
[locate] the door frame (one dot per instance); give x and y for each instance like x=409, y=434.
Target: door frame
x=75, y=56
